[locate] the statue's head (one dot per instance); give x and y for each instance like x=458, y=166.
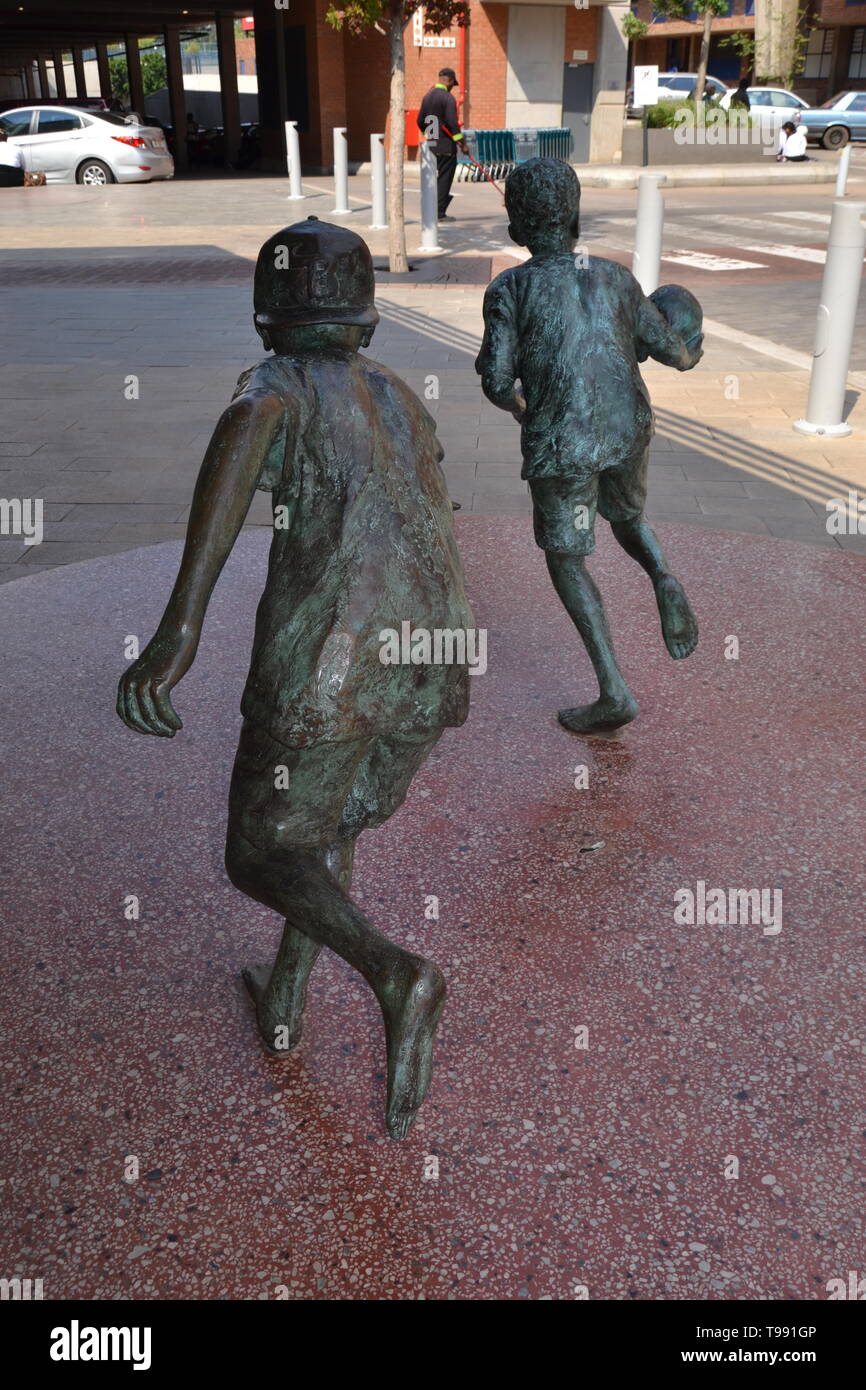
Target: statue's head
x=681, y=309
x=542, y=198
x=314, y=286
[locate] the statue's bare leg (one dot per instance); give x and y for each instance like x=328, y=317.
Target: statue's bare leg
x=410, y=989
x=616, y=705
x=679, y=625
x=280, y=991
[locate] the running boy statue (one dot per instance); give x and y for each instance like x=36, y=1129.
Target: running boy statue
x=563, y=337
x=363, y=541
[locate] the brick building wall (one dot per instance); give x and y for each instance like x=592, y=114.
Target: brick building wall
x=581, y=27
x=245, y=52
x=843, y=20
x=487, y=44
x=348, y=75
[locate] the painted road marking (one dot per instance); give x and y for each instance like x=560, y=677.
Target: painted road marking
x=791, y=253
x=703, y=260
x=805, y=216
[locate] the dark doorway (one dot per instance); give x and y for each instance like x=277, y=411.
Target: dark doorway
x=577, y=107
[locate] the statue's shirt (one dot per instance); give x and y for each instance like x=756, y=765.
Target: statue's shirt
x=571, y=328
x=363, y=542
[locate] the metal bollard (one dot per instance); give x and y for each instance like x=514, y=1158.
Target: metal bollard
x=341, y=170
x=293, y=160
x=834, y=326
x=377, y=175
x=842, y=175
x=647, y=258
x=429, y=206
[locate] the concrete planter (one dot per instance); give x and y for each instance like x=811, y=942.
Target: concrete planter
x=664, y=149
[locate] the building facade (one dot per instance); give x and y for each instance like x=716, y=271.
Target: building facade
x=834, y=58
x=561, y=62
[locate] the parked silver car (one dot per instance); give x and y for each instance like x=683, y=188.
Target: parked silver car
x=774, y=105
x=89, y=147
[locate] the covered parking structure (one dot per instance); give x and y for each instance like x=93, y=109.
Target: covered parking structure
x=300, y=61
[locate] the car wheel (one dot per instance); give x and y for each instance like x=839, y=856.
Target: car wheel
x=836, y=138
x=94, y=173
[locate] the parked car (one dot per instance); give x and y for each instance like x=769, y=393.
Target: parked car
x=773, y=104
x=839, y=120
x=89, y=147
x=81, y=103
x=679, y=86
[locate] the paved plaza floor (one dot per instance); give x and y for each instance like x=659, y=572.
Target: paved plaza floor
x=144, y=292
x=626, y=1105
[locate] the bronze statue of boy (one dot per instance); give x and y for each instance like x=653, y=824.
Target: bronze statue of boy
x=571, y=331
x=363, y=541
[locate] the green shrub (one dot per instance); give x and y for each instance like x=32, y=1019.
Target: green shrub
x=662, y=116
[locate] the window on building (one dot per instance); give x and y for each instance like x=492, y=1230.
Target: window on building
x=857, y=63
x=749, y=7
x=819, y=54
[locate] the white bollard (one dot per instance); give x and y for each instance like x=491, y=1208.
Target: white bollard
x=834, y=327
x=293, y=160
x=647, y=258
x=842, y=175
x=377, y=176
x=429, y=204
x=341, y=170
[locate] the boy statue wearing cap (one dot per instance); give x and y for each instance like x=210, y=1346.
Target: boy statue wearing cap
x=564, y=334
x=363, y=542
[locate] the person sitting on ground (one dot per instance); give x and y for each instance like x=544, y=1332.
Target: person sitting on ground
x=792, y=143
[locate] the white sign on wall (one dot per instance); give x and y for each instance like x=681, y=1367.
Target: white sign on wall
x=646, y=85
x=422, y=40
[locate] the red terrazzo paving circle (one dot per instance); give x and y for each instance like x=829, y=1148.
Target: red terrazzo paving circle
x=558, y=1167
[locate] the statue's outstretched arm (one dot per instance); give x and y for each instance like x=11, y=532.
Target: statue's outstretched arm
x=232, y=466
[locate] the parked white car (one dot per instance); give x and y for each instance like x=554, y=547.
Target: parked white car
x=774, y=105
x=678, y=86
x=90, y=147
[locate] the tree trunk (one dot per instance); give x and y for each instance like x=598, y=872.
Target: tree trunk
x=396, y=145
x=705, y=56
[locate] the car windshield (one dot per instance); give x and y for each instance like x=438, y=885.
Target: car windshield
x=826, y=105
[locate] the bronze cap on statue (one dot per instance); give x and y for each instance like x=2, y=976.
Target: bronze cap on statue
x=314, y=272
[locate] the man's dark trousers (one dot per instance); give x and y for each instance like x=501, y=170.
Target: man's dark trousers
x=446, y=164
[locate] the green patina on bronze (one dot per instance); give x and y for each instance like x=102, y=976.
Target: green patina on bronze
x=564, y=334
x=363, y=543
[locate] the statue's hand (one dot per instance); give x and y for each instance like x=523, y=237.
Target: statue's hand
x=518, y=409
x=143, y=701
x=695, y=350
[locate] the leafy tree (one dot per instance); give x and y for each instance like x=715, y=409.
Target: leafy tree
x=391, y=17
x=119, y=80
x=154, y=75
x=706, y=10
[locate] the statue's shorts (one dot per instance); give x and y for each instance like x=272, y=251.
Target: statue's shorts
x=564, y=509
x=311, y=796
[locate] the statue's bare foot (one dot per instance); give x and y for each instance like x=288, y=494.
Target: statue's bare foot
x=604, y=715
x=412, y=1002
x=679, y=624
x=279, y=1032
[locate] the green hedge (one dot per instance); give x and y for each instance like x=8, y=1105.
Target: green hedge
x=662, y=115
